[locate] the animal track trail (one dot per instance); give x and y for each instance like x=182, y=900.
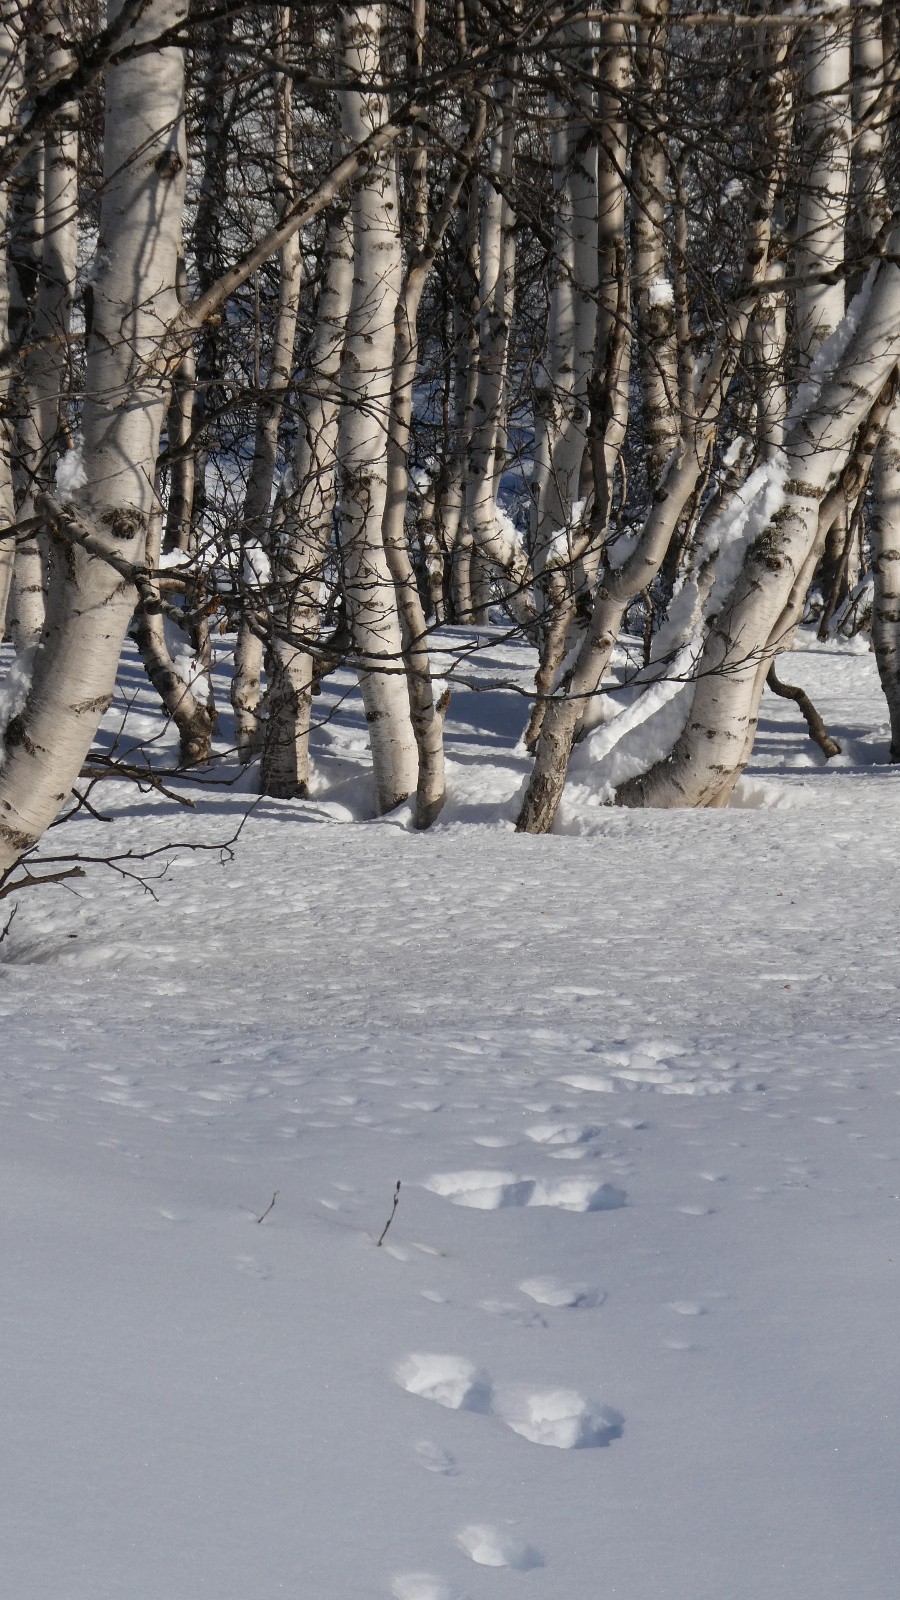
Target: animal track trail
x=559, y=1418
x=494, y=1191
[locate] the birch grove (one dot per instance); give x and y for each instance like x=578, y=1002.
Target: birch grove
x=340, y=341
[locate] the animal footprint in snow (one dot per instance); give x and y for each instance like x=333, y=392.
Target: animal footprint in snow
x=434, y=1459
x=493, y=1191
x=490, y=1547
x=513, y=1313
x=448, y=1380
x=561, y=1418
x=421, y=1586
x=564, y=1133
x=250, y=1267
x=554, y=1292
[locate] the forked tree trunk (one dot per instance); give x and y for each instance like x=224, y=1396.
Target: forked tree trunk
x=571, y=708
x=366, y=381
x=134, y=300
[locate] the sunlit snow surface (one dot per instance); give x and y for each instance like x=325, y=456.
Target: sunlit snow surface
x=632, y=1334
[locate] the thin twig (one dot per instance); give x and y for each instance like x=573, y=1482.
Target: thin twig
x=268, y=1208
x=390, y=1219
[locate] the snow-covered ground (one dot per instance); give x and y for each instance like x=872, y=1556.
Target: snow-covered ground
x=632, y=1334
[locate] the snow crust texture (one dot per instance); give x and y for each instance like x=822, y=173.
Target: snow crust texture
x=632, y=1332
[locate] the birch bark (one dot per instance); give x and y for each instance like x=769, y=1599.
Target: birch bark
x=366, y=381
x=500, y=551
x=135, y=299
x=884, y=532
x=822, y=210
x=304, y=531
x=246, y=686
x=11, y=55
x=654, y=299
x=760, y=612
x=561, y=425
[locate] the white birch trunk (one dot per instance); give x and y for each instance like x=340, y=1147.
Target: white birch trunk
x=499, y=550
x=884, y=532
x=366, y=380
x=822, y=210
x=654, y=298
x=11, y=56
x=304, y=530
x=454, y=519
x=871, y=110
x=135, y=299
x=759, y=614
x=561, y=433
x=246, y=689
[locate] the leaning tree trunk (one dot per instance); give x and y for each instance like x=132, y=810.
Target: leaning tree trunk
x=762, y=608
x=134, y=300
x=570, y=709
x=366, y=381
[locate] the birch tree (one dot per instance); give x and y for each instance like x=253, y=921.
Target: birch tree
x=366, y=378
x=11, y=61
x=109, y=512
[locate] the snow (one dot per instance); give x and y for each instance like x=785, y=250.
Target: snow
x=14, y=687
x=661, y=293
x=256, y=569
x=70, y=470
x=688, y=1393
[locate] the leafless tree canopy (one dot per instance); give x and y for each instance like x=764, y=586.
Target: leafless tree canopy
x=339, y=331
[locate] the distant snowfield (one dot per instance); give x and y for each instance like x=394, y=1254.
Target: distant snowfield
x=633, y=1331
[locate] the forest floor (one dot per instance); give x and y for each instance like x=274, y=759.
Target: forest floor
x=633, y=1332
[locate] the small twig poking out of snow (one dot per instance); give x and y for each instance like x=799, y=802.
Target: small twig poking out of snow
x=268, y=1208
x=70, y=473
x=390, y=1219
